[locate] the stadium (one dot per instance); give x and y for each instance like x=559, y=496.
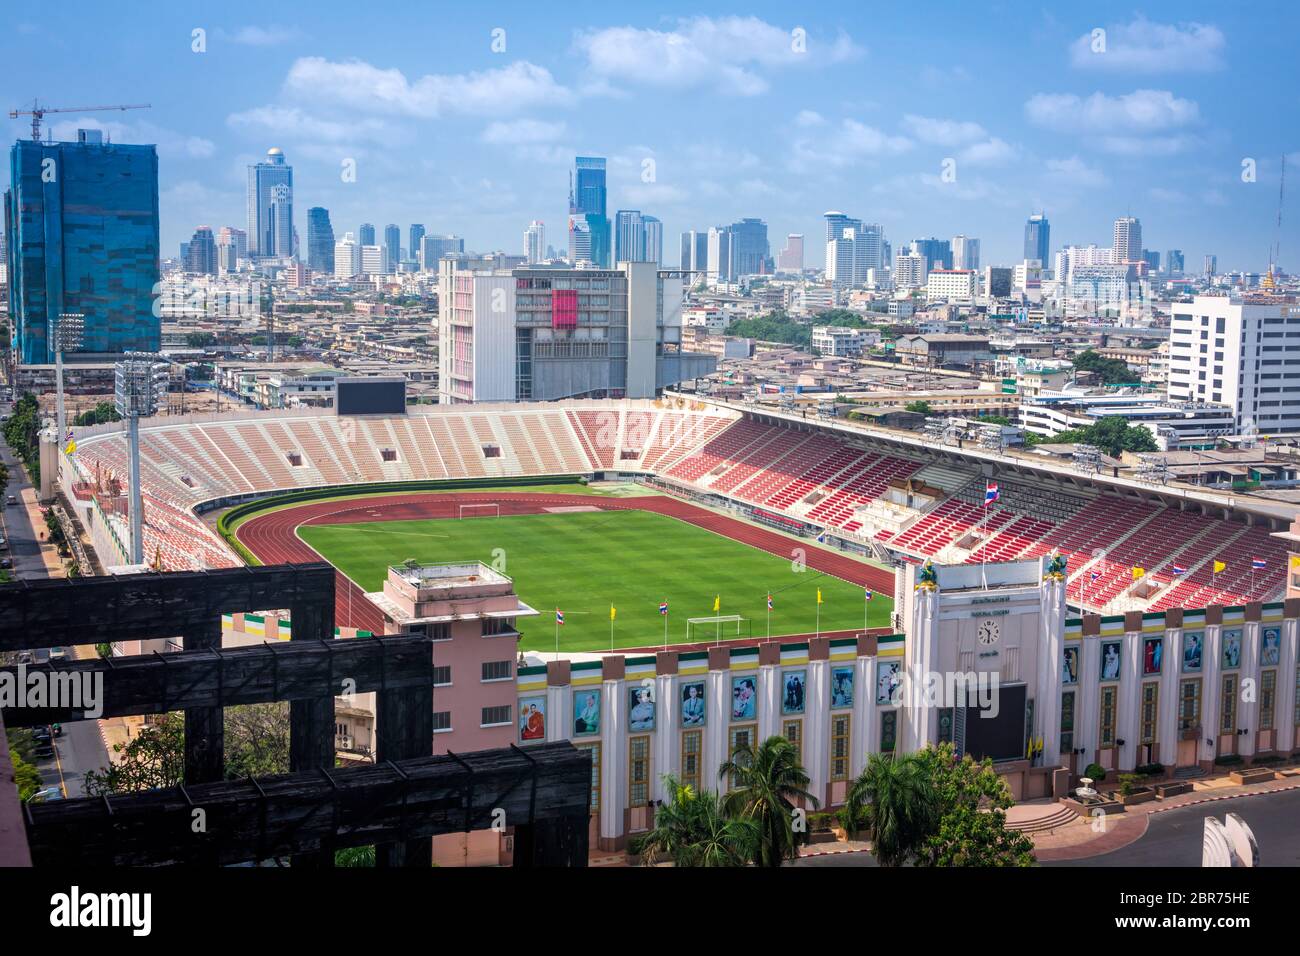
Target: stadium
x=661, y=582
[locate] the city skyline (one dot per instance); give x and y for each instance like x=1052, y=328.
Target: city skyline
x=441, y=130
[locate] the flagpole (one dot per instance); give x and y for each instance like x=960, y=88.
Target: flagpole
x=769, y=615
x=665, y=632
x=611, y=629
x=557, y=637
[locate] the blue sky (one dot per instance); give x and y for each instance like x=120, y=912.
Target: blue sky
x=705, y=116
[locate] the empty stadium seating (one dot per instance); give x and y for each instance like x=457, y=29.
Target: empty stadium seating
x=797, y=474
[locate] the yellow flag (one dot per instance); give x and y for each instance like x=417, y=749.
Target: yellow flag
x=819, y=595
x=1138, y=572
x=72, y=446
x=1219, y=566
x=612, y=612
x=1295, y=560
x=717, y=603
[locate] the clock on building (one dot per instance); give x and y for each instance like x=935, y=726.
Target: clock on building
x=988, y=632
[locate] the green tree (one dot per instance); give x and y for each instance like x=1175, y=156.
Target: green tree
x=257, y=740
x=765, y=784
x=1112, y=434
x=100, y=414
x=355, y=856
x=895, y=800
x=921, y=408
x=773, y=327
x=153, y=758
x=200, y=340
x=21, y=431
x=1110, y=371
x=693, y=829
x=26, y=776
x=973, y=800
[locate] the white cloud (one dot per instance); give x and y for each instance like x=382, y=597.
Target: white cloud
x=809, y=118
x=1146, y=146
x=849, y=143
x=264, y=36
x=1142, y=110
x=517, y=132
x=1075, y=172
x=991, y=152
x=360, y=85
x=1161, y=194
x=170, y=144
x=942, y=132
x=720, y=53
x=291, y=123
x=1146, y=47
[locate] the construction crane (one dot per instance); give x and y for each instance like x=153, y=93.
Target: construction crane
x=37, y=112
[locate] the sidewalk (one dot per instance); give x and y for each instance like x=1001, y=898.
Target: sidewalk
x=1084, y=837
x=36, y=515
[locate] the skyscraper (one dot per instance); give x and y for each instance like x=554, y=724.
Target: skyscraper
x=589, y=230
x=413, y=244
x=347, y=257
x=852, y=249
x=629, y=236
x=366, y=234
x=791, y=257
x=89, y=246
x=719, y=260
x=433, y=248
x=1038, y=238
x=694, y=253
x=965, y=253
x=1128, y=240
x=749, y=248
x=202, y=258
x=535, y=242
x=937, y=252
x=1174, y=262
x=392, y=247
x=232, y=246
x=654, y=239
x=320, y=240
x=270, y=207
x=1211, y=264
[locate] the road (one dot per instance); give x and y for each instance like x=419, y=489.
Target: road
x=15, y=525
x=1173, y=837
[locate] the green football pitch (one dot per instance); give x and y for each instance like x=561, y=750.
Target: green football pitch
x=582, y=562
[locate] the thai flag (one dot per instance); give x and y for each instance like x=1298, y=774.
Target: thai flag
x=868, y=594
x=769, y=602
x=559, y=616
x=1093, y=576
x=1259, y=564
x=821, y=538
x=663, y=607
x=990, y=493
x=1179, y=569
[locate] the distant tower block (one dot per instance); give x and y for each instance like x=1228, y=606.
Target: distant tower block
x=1230, y=843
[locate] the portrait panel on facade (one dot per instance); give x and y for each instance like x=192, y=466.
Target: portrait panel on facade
x=744, y=697
x=1153, y=652
x=842, y=687
x=795, y=686
x=1231, y=649
x=693, y=709
x=887, y=681
x=1110, y=657
x=532, y=719
x=586, y=712
x=641, y=707
x=1270, y=647
x=1070, y=665
x=1193, y=648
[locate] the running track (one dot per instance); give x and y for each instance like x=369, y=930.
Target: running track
x=273, y=538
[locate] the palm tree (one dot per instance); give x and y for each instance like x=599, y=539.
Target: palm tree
x=692, y=829
x=766, y=783
x=896, y=800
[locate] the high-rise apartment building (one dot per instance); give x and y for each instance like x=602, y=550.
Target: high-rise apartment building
x=719, y=260
x=1174, y=262
x=373, y=261
x=589, y=228
x=1237, y=350
x=270, y=207
x=654, y=239
x=366, y=234
x=853, y=249
x=965, y=253
x=790, y=258
x=937, y=252
x=202, y=258
x=320, y=240
x=433, y=248
x=415, y=234
x=750, y=252
x=629, y=236
x=535, y=242
x=694, y=253
x=392, y=247
x=1038, y=238
x=87, y=245
x=347, y=257
x=1128, y=240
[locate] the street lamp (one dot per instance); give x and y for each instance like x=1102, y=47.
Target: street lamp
x=66, y=336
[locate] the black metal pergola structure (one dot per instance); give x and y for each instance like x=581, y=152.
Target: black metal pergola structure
x=397, y=803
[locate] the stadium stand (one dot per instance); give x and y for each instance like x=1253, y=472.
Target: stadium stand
x=794, y=475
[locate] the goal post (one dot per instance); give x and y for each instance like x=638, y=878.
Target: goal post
x=730, y=626
x=492, y=510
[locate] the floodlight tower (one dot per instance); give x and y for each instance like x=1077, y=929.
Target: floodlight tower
x=138, y=382
x=66, y=336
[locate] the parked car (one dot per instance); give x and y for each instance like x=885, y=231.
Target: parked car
x=47, y=795
x=43, y=750
x=42, y=735
x=58, y=653
x=6, y=563
x=11, y=500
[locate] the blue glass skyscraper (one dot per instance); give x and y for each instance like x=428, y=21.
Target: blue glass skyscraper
x=82, y=223
x=1038, y=238
x=587, y=213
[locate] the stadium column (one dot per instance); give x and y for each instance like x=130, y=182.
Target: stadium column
x=1248, y=704
x=311, y=720
x=1047, y=690
x=205, y=760
x=1129, y=726
x=1286, y=685
x=1170, y=672
x=1211, y=692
